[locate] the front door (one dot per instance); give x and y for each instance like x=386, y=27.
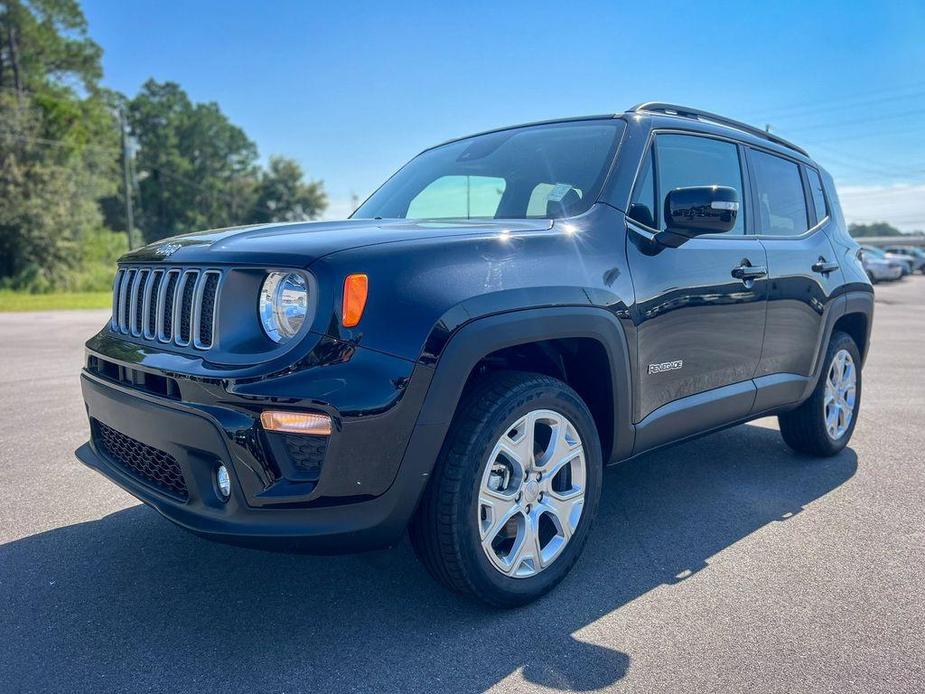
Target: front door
x=700, y=308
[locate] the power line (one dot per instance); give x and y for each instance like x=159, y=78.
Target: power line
x=905, y=130
x=834, y=107
x=856, y=121
x=846, y=101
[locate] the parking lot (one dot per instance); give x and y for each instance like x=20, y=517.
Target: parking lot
x=724, y=564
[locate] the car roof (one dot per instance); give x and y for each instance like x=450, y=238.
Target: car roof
x=663, y=115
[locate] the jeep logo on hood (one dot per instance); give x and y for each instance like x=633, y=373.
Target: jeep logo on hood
x=166, y=249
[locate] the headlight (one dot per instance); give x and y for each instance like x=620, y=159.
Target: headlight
x=283, y=305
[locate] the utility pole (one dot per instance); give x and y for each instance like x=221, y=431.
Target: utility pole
x=129, y=217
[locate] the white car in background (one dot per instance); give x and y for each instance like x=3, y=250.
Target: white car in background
x=904, y=262
x=880, y=269
x=916, y=255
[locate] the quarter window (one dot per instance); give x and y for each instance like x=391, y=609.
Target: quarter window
x=642, y=208
x=685, y=161
x=815, y=187
x=781, y=201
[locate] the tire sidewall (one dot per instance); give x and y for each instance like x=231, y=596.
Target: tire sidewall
x=478, y=567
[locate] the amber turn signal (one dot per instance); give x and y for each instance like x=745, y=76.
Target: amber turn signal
x=313, y=423
x=355, y=290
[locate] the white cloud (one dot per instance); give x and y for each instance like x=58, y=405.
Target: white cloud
x=902, y=205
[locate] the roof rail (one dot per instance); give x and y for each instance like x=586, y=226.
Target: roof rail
x=696, y=113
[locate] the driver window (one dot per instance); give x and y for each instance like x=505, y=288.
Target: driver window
x=686, y=160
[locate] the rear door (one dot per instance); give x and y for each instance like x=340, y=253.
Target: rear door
x=791, y=216
x=699, y=327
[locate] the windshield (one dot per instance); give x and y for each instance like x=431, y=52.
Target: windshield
x=540, y=171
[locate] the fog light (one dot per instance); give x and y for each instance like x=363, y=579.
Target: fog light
x=223, y=482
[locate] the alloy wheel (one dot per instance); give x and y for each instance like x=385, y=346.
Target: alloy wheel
x=840, y=394
x=532, y=493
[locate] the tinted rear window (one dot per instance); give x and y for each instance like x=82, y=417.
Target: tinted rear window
x=781, y=202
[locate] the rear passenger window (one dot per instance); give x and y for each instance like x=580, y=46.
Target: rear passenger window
x=781, y=202
x=686, y=160
x=815, y=186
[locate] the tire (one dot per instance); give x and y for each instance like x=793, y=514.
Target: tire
x=806, y=429
x=453, y=519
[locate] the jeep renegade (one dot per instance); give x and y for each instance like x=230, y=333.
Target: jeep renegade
x=507, y=314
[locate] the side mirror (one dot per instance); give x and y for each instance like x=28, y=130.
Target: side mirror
x=698, y=210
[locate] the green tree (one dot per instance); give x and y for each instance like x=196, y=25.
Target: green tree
x=283, y=196
x=58, y=146
x=196, y=169
x=875, y=229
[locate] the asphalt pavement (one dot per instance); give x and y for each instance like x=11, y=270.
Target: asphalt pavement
x=727, y=564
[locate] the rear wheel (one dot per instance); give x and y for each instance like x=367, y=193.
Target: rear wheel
x=514, y=491
x=824, y=423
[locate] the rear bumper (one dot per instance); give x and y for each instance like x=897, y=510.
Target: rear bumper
x=199, y=438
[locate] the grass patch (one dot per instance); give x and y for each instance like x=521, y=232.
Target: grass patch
x=22, y=301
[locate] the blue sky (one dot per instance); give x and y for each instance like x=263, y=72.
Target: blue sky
x=352, y=90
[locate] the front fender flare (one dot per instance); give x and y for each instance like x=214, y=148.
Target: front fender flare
x=483, y=336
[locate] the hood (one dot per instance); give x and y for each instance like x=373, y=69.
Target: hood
x=300, y=243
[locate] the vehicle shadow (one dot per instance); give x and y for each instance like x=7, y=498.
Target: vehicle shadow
x=129, y=602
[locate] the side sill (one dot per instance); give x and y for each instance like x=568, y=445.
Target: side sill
x=694, y=414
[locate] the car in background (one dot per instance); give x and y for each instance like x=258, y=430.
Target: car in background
x=880, y=269
x=916, y=255
x=904, y=262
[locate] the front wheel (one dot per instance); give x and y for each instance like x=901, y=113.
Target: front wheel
x=824, y=423
x=514, y=491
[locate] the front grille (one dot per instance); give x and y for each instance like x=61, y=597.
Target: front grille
x=151, y=465
x=172, y=305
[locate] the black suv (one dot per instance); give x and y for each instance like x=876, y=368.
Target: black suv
x=503, y=317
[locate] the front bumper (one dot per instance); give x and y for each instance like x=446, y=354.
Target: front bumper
x=274, y=513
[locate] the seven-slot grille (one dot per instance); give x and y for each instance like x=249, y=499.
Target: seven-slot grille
x=170, y=305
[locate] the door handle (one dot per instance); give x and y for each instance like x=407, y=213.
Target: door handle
x=749, y=272
x=824, y=267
